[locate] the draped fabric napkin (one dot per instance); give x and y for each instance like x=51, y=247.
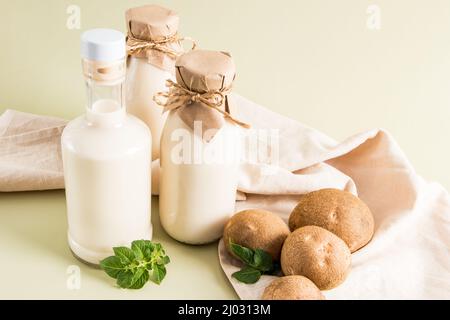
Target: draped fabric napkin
x=30, y=152
x=409, y=256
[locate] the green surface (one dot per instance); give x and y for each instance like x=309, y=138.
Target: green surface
x=35, y=258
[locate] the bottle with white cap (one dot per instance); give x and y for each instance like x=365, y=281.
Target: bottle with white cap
x=106, y=157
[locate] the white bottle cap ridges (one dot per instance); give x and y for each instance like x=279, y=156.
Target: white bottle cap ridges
x=103, y=45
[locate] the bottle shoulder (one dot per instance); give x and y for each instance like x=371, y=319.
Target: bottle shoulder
x=182, y=145
x=140, y=70
x=174, y=122
x=82, y=137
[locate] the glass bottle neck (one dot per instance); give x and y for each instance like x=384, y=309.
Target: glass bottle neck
x=105, y=103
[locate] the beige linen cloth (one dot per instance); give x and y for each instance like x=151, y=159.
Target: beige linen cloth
x=409, y=256
x=30, y=152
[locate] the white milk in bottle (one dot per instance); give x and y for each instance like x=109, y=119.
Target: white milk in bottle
x=153, y=46
x=200, y=149
x=106, y=157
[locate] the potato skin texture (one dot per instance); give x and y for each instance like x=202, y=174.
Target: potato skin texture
x=317, y=254
x=338, y=211
x=256, y=229
x=292, y=288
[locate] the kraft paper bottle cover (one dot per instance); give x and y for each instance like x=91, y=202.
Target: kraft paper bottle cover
x=152, y=34
x=201, y=94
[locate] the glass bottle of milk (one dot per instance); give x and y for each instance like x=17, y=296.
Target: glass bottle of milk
x=106, y=157
x=153, y=47
x=200, y=149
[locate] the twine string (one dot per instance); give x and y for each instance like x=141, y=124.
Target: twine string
x=179, y=96
x=136, y=46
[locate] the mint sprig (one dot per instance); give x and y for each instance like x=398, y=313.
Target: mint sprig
x=247, y=275
x=134, y=267
x=256, y=263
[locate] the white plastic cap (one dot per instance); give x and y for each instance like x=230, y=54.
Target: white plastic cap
x=103, y=45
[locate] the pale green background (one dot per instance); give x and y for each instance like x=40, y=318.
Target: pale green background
x=315, y=61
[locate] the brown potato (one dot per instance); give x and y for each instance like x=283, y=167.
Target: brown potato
x=292, y=288
x=256, y=229
x=317, y=254
x=338, y=211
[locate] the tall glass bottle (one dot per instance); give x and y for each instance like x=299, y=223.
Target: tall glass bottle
x=106, y=157
x=200, y=150
x=153, y=46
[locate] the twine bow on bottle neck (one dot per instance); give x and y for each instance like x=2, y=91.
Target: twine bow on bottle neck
x=179, y=96
x=136, y=46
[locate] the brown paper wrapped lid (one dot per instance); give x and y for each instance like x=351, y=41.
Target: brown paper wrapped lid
x=157, y=27
x=152, y=22
x=205, y=70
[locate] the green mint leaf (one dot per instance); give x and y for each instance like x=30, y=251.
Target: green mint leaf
x=149, y=249
x=134, y=267
x=157, y=273
x=139, y=248
x=243, y=253
x=247, y=275
x=125, y=279
x=126, y=255
x=139, y=279
x=163, y=260
x=262, y=260
x=112, y=266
